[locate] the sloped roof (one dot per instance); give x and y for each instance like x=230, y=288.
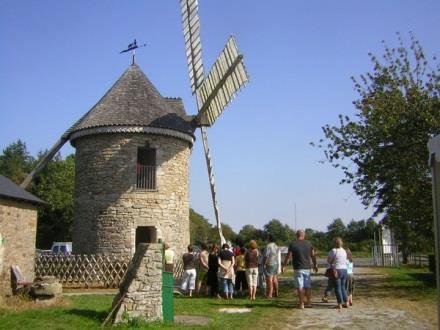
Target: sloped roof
x=10, y=190
x=134, y=101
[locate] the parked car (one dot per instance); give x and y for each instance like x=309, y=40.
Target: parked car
x=41, y=252
x=61, y=247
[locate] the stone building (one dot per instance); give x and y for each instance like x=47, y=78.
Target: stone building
x=18, y=228
x=131, y=174
x=140, y=293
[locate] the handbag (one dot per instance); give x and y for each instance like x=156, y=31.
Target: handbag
x=331, y=273
x=328, y=272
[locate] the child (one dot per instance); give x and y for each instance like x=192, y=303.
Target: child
x=330, y=287
x=349, y=285
x=240, y=273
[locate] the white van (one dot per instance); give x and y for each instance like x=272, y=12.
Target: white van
x=61, y=247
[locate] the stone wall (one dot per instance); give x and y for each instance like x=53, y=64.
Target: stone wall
x=108, y=207
x=140, y=294
x=18, y=226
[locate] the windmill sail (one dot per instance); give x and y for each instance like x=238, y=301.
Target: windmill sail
x=46, y=159
x=227, y=76
x=193, y=46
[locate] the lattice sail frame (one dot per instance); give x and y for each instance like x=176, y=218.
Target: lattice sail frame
x=193, y=45
x=227, y=76
x=214, y=93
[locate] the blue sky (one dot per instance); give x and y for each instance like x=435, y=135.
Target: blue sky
x=58, y=58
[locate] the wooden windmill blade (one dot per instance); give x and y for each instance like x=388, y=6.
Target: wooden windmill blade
x=43, y=162
x=51, y=153
x=227, y=76
x=193, y=47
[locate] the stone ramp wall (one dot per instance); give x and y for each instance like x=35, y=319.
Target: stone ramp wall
x=140, y=293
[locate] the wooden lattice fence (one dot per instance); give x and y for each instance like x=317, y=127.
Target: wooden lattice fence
x=83, y=271
x=90, y=271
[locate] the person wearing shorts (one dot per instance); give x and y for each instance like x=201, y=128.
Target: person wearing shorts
x=271, y=266
x=189, y=273
x=251, y=263
x=303, y=258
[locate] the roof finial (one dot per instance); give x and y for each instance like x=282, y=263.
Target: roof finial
x=132, y=47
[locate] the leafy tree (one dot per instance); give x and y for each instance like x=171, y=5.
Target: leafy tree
x=398, y=110
x=249, y=232
x=16, y=162
x=228, y=233
x=282, y=234
x=319, y=240
x=54, y=185
x=202, y=231
x=200, y=228
x=336, y=229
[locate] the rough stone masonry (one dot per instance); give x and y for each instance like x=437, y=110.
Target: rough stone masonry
x=140, y=293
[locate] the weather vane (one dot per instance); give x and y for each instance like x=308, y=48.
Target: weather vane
x=132, y=47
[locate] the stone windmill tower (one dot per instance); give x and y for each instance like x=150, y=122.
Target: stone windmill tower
x=133, y=147
x=131, y=176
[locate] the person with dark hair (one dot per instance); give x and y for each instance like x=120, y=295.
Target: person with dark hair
x=241, y=284
x=212, y=277
x=189, y=271
x=203, y=269
x=226, y=261
x=251, y=264
x=303, y=256
x=271, y=265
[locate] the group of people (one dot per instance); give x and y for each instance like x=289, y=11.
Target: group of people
x=228, y=271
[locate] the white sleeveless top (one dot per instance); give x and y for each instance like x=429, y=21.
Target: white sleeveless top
x=338, y=258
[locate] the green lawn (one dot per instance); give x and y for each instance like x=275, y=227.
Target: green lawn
x=88, y=312
x=411, y=282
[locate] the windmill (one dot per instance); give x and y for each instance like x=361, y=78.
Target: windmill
x=213, y=92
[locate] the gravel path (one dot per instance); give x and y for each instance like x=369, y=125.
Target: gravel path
x=368, y=311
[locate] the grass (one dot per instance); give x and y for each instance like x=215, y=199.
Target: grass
x=88, y=312
x=411, y=282
x=79, y=312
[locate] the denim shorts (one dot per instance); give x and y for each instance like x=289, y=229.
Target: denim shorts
x=271, y=269
x=302, y=279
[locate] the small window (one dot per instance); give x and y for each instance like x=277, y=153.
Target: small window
x=146, y=169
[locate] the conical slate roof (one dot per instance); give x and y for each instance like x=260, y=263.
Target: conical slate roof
x=133, y=101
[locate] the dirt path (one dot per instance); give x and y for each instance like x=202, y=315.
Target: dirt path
x=373, y=308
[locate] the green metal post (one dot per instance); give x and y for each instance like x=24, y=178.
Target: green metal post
x=168, y=296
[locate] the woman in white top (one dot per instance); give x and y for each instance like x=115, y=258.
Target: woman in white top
x=337, y=258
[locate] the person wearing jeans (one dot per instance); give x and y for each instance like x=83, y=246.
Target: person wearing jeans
x=337, y=258
x=226, y=261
